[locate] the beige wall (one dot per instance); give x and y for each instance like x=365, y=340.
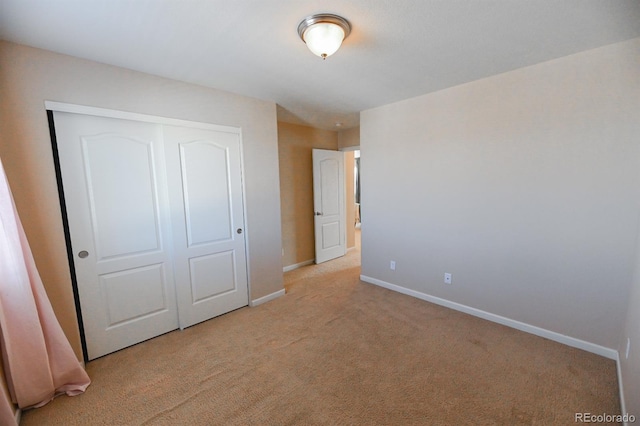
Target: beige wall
x=30, y=76
x=349, y=138
x=295, y=144
x=525, y=186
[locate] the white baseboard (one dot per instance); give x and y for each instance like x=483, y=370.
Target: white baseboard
x=18, y=415
x=298, y=265
x=532, y=329
x=267, y=298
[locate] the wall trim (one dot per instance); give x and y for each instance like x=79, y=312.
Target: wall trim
x=298, y=265
x=134, y=116
x=267, y=298
x=528, y=328
x=18, y=415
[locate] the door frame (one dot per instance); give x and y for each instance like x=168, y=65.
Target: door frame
x=51, y=106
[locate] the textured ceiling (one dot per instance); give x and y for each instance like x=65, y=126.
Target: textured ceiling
x=398, y=48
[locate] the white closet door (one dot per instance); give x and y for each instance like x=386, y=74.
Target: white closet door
x=119, y=225
x=205, y=186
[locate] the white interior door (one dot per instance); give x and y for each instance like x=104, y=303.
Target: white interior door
x=329, y=204
x=205, y=185
x=120, y=229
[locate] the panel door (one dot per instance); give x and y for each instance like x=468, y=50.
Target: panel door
x=329, y=204
x=117, y=208
x=205, y=186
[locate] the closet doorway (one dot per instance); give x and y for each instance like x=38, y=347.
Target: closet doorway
x=155, y=221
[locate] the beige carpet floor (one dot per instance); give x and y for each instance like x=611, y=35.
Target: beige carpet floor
x=337, y=351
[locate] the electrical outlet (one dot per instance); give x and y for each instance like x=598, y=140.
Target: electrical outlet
x=447, y=278
x=626, y=354
x=392, y=265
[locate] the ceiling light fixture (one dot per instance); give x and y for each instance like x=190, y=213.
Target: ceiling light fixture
x=323, y=33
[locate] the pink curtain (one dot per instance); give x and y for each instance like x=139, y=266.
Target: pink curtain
x=38, y=361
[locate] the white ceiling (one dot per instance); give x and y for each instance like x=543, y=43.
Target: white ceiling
x=397, y=49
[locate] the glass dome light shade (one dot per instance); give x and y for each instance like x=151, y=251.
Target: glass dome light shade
x=323, y=38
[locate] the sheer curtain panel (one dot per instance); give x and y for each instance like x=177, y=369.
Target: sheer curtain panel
x=37, y=359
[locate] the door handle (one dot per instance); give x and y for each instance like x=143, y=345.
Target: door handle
x=83, y=254
x=239, y=230
x=318, y=214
